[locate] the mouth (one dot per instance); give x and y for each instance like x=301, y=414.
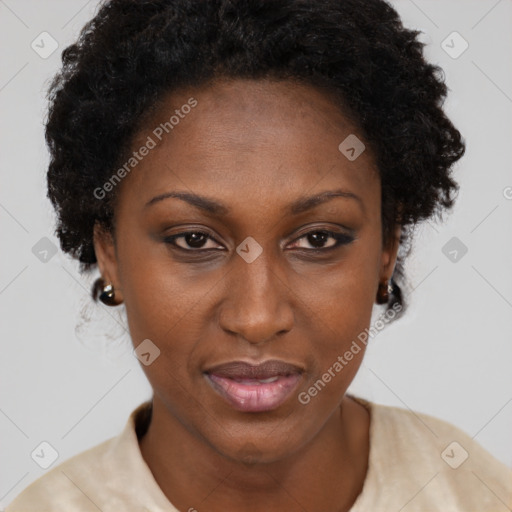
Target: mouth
x=254, y=388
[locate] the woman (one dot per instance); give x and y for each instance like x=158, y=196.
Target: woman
x=243, y=174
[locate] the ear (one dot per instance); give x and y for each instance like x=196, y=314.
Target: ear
x=105, y=250
x=389, y=255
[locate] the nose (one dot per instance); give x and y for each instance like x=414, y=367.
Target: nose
x=257, y=305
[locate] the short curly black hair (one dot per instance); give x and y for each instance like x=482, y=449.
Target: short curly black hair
x=134, y=52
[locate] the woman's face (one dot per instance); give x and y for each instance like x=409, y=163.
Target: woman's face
x=258, y=278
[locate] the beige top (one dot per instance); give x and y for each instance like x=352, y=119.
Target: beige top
x=416, y=463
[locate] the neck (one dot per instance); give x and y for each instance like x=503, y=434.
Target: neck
x=326, y=473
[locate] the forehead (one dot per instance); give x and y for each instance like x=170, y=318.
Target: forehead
x=249, y=139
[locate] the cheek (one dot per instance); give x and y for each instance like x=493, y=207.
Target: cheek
x=338, y=311
x=342, y=295
x=169, y=315
x=170, y=305
x=339, y=308
x=163, y=307
x=157, y=292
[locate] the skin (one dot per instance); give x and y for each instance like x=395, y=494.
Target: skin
x=255, y=146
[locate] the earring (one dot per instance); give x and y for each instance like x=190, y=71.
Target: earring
x=383, y=293
x=106, y=292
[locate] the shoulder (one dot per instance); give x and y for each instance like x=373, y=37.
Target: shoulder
x=62, y=488
x=426, y=462
x=110, y=476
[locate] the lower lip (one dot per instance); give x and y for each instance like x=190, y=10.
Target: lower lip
x=254, y=397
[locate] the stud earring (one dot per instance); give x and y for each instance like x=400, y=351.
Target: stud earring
x=383, y=293
x=106, y=292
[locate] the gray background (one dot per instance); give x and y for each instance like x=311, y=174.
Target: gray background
x=74, y=387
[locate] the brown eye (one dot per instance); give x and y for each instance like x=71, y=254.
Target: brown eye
x=322, y=240
x=318, y=239
x=190, y=240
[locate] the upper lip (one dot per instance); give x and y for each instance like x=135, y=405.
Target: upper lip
x=264, y=370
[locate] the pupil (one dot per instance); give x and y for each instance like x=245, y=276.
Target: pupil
x=195, y=239
x=317, y=239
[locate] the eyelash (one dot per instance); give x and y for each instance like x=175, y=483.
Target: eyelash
x=341, y=240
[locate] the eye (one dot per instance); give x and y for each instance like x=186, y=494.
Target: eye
x=193, y=241
x=324, y=240
x=320, y=240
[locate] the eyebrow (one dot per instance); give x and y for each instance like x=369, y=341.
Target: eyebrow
x=307, y=203
x=214, y=207
x=201, y=202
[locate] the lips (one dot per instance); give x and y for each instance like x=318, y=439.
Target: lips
x=254, y=388
x=266, y=370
